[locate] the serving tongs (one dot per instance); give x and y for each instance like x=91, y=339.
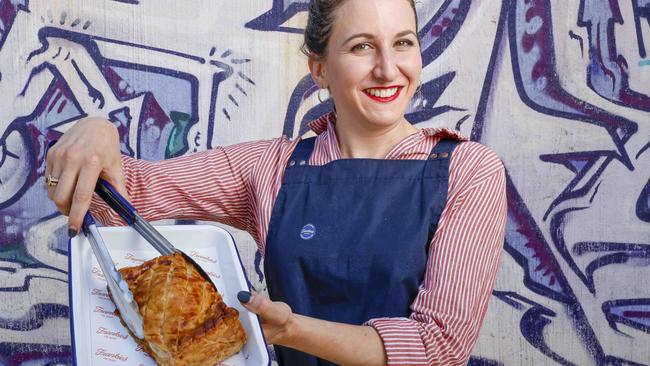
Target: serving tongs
x=119, y=289
x=120, y=292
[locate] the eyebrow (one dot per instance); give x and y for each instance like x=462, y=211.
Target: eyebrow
x=368, y=35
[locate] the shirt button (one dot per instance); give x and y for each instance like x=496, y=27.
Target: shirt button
x=433, y=156
x=444, y=155
x=292, y=163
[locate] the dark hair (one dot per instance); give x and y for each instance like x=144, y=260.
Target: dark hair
x=320, y=23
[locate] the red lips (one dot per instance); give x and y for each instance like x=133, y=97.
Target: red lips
x=386, y=99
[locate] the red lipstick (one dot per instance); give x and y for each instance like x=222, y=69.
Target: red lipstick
x=387, y=99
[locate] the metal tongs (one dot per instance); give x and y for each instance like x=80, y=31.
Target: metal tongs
x=120, y=292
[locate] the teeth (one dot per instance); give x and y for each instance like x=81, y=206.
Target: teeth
x=382, y=93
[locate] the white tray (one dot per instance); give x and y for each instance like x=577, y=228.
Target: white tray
x=98, y=336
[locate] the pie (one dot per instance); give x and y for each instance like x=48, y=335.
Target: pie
x=185, y=319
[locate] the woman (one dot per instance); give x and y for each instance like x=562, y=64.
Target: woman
x=381, y=240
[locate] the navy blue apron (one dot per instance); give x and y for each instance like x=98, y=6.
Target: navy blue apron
x=348, y=241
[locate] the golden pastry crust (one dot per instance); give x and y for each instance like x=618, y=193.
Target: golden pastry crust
x=185, y=320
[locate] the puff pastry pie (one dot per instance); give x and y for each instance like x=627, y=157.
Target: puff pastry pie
x=185, y=320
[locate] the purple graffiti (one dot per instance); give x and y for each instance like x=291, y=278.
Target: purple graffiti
x=526, y=243
x=531, y=42
x=614, y=253
x=35, y=317
x=607, y=73
x=631, y=312
x=17, y=354
x=641, y=9
x=580, y=163
x=535, y=318
x=643, y=204
x=281, y=11
x=158, y=110
x=8, y=11
x=301, y=93
x=436, y=34
x=537, y=83
x=57, y=106
x=423, y=106
x=131, y=81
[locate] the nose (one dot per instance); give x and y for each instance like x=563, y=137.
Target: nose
x=385, y=66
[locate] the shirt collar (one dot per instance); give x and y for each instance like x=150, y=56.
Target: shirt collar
x=326, y=123
x=322, y=123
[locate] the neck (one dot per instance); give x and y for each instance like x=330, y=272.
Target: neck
x=360, y=141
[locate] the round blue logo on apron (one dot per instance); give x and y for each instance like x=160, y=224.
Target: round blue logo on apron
x=308, y=231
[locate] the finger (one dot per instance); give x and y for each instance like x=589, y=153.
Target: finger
x=115, y=177
x=62, y=192
x=51, y=159
x=270, y=312
x=83, y=193
x=64, y=166
x=54, y=173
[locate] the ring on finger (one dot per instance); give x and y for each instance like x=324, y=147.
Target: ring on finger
x=51, y=181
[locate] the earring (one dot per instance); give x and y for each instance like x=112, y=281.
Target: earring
x=320, y=98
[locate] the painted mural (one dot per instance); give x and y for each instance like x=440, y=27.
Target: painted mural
x=559, y=89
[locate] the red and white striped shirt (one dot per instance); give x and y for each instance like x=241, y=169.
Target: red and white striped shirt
x=237, y=185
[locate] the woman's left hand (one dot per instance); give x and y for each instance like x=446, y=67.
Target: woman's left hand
x=343, y=344
x=275, y=316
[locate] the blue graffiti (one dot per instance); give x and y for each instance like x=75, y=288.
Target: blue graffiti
x=9, y=10
x=607, y=72
x=641, y=9
x=281, y=11
x=155, y=109
x=439, y=31
x=536, y=75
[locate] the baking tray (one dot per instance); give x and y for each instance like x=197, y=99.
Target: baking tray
x=98, y=336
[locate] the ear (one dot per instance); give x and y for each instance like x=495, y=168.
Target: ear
x=317, y=70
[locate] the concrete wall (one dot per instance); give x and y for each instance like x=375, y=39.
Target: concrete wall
x=561, y=90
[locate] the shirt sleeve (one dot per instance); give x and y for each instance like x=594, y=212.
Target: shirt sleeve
x=463, y=260
x=212, y=185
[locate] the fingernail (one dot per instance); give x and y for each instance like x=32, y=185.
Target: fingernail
x=49, y=145
x=244, y=297
x=72, y=233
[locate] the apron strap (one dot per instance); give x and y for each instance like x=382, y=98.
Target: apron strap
x=302, y=152
x=441, y=152
x=446, y=145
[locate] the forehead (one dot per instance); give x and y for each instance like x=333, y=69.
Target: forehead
x=374, y=16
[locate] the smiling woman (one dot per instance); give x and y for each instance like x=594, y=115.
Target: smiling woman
x=380, y=240
x=369, y=60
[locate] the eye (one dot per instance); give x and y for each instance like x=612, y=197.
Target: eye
x=361, y=47
x=404, y=43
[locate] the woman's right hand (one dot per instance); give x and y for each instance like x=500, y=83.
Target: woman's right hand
x=88, y=150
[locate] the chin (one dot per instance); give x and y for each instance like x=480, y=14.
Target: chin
x=385, y=121
x=387, y=114
x=386, y=118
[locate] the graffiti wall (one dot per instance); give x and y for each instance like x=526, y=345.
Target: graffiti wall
x=559, y=89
